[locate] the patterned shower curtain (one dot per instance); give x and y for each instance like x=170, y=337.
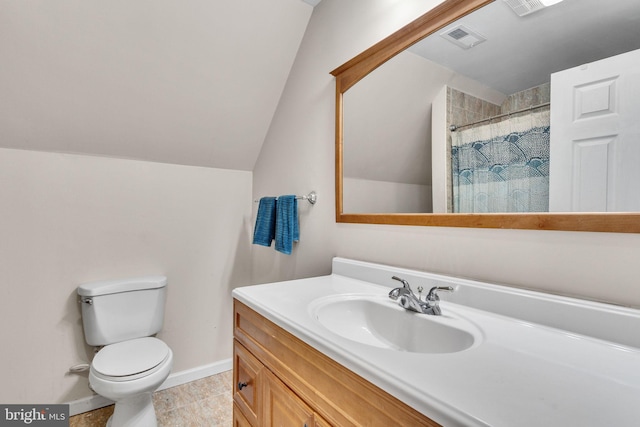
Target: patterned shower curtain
x=502, y=167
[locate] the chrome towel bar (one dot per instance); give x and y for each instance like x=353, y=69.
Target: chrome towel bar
x=312, y=198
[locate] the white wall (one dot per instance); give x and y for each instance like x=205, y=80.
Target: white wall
x=298, y=156
x=69, y=219
x=387, y=132
x=363, y=195
x=440, y=152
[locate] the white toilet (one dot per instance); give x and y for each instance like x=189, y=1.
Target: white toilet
x=121, y=315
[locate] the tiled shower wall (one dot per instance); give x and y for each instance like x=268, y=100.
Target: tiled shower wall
x=527, y=98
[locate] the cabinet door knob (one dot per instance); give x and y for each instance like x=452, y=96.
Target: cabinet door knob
x=242, y=385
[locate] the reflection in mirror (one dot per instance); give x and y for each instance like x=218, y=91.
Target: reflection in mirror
x=498, y=112
x=387, y=151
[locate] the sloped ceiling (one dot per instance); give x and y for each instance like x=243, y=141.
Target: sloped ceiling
x=193, y=82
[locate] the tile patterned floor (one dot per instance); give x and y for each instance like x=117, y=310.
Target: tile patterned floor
x=203, y=403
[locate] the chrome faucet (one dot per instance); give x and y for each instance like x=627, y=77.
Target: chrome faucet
x=408, y=300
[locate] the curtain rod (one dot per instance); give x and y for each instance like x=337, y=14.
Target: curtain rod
x=454, y=128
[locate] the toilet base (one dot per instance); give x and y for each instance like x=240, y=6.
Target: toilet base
x=135, y=411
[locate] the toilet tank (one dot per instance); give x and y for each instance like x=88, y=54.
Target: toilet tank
x=120, y=310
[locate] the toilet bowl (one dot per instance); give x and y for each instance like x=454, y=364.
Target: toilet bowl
x=128, y=373
x=120, y=316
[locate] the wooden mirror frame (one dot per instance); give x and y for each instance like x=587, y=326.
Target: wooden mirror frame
x=357, y=68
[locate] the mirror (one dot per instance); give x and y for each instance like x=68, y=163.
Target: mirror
x=383, y=164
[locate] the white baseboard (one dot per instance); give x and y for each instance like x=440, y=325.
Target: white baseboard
x=177, y=378
x=197, y=373
x=87, y=404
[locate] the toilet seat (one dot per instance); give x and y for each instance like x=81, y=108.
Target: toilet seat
x=130, y=360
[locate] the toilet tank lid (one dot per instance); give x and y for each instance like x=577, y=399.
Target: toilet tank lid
x=106, y=287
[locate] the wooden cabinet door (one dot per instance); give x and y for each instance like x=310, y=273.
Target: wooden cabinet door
x=239, y=420
x=281, y=407
x=318, y=421
x=246, y=377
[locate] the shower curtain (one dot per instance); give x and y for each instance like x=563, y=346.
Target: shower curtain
x=503, y=166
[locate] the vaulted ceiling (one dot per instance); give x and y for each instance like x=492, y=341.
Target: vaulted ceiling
x=194, y=82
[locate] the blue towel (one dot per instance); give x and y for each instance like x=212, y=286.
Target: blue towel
x=287, y=229
x=265, y=228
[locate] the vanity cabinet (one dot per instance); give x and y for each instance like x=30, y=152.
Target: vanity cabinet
x=261, y=399
x=239, y=420
x=282, y=381
x=247, y=378
x=283, y=408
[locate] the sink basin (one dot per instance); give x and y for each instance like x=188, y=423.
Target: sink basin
x=380, y=322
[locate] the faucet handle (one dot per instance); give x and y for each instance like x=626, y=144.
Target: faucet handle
x=400, y=292
x=433, y=300
x=433, y=292
x=405, y=284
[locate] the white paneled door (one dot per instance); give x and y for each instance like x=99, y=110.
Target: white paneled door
x=595, y=136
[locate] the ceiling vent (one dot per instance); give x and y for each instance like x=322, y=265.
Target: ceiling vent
x=525, y=7
x=463, y=36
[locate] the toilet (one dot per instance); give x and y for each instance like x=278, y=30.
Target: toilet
x=122, y=316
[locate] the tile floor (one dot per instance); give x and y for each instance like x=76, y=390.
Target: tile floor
x=202, y=403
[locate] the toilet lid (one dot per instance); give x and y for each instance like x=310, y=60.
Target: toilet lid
x=130, y=357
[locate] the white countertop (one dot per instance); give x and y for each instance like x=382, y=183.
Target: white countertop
x=519, y=374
